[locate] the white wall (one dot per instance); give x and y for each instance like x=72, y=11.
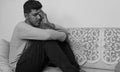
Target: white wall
x=69, y=13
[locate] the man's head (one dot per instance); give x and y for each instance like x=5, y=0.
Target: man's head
x=32, y=9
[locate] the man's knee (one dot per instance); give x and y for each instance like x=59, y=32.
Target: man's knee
x=51, y=46
x=50, y=43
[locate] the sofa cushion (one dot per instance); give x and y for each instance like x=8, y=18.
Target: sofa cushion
x=96, y=49
x=4, y=48
x=4, y=56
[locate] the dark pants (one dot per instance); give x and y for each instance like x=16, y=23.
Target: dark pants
x=40, y=54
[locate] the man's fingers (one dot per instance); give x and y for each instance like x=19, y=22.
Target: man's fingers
x=43, y=13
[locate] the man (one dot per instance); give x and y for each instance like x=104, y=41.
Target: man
x=40, y=46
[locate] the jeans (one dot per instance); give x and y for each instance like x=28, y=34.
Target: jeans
x=40, y=54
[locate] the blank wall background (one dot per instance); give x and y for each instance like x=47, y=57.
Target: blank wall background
x=68, y=13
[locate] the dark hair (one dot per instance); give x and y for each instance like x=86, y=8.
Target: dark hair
x=31, y=4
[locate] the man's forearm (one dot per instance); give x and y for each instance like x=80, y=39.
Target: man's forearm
x=59, y=28
x=55, y=35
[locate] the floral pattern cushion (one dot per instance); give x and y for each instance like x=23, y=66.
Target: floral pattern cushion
x=84, y=42
x=94, y=47
x=89, y=43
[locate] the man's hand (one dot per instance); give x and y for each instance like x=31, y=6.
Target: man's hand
x=55, y=26
x=56, y=35
x=44, y=16
x=63, y=38
x=64, y=30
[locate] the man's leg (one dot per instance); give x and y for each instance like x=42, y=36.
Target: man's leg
x=58, y=57
x=65, y=46
x=32, y=59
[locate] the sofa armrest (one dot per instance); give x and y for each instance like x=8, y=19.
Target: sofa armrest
x=4, y=56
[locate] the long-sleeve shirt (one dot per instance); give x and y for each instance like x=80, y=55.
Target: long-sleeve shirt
x=24, y=31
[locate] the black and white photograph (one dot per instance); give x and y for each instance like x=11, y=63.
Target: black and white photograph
x=59, y=35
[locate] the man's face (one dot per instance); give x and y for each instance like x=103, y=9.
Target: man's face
x=34, y=17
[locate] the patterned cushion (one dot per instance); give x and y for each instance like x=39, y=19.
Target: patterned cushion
x=96, y=48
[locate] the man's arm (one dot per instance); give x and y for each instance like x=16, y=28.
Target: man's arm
x=61, y=29
x=55, y=26
x=26, y=31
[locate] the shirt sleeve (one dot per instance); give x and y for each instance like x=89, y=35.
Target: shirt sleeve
x=25, y=31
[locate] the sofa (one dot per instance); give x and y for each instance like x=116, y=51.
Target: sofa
x=95, y=49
